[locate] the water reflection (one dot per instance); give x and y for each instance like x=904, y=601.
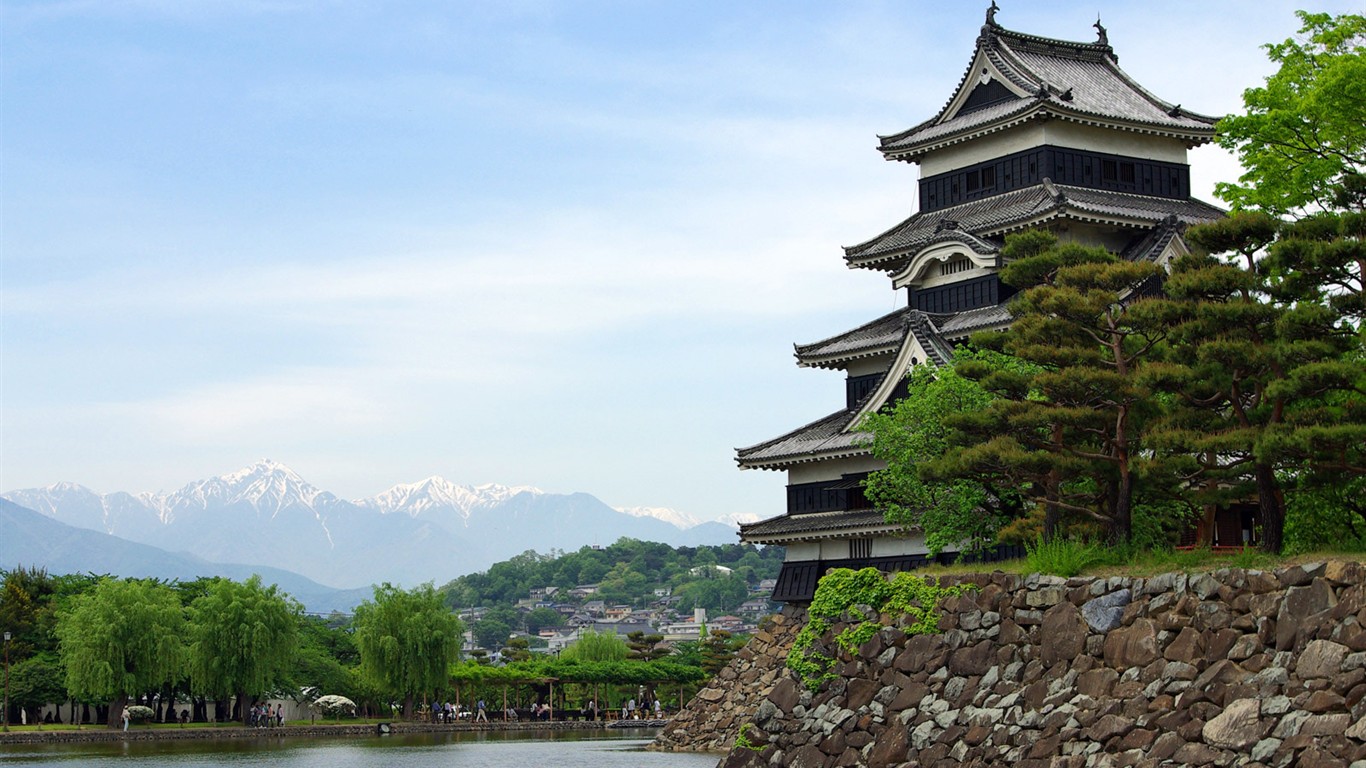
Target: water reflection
x=542, y=749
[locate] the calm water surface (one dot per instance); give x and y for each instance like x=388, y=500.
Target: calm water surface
x=549, y=749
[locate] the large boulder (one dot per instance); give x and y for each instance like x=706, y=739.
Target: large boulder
x=1239, y=726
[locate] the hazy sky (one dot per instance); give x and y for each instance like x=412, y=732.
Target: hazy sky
x=564, y=244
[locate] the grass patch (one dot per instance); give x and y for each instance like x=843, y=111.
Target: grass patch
x=1143, y=563
x=1063, y=557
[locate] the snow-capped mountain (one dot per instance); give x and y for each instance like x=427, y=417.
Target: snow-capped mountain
x=267, y=486
x=433, y=530
x=680, y=519
x=436, y=494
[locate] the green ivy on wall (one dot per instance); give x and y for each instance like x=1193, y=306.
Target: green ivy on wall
x=915, y=598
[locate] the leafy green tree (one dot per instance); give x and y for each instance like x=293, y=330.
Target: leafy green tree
x=326, y=658
x=723, y=593
x=244, y=638
x=542, y=617
x=36, y=681
x=597, y=646
x=407, y=639
x=1303, y=130
x=1327, y=516
x=491, y=634
x=122, y=639
x=962, y=512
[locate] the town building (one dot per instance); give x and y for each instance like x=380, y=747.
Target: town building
x=1039, y=133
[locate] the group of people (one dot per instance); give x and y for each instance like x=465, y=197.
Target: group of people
x=266, y=716
x=446, y=712
x=629, y=709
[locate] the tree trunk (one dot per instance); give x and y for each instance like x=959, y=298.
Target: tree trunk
x=1052, y=488
x=408, y=707
x=1122, y=510
x=1271, y=509
x=243, y=708
x=1050, y=508
x=116, y=712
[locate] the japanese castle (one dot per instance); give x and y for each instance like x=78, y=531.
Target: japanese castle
x=1040, y=133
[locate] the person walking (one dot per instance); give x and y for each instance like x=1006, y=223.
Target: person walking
x=480, y=714
x=126, y=718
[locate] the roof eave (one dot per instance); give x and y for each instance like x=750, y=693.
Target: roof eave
x=839, y=360
x=810, y=457
x=914, y=153
x=837, y=533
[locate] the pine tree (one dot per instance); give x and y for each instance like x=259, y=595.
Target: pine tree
x=1068, y=430
x=1253, y=372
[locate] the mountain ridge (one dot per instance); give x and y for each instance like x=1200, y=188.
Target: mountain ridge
x=30, y=538
x=433, y=529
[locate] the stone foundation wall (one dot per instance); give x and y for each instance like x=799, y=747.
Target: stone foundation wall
x=712, y=719
x=1236, y=667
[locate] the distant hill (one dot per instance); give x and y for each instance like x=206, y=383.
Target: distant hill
x=29, y=538
x=434, y=530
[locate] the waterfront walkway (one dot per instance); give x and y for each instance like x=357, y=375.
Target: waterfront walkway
x=98, y=733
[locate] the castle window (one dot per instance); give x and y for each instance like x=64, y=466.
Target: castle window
x=954, y=266
x=860, y=549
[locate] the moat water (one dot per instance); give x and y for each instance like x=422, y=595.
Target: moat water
x=548, y=749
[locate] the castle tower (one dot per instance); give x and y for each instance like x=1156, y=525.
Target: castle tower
x=1039, y=133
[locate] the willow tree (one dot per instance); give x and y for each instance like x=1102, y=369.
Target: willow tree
x=407, y=641
x=120, y=640
x=597, y=646
x=244, y=639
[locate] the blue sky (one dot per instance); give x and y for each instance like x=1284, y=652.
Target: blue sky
x=560, y=244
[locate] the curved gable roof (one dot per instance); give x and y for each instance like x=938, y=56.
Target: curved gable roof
x=1068, y=80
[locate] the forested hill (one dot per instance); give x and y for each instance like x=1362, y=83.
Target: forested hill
x=625, y=573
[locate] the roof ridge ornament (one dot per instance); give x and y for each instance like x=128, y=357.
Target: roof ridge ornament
x=1175, y=111
x=1052, y=190
x=991, y=14
x=1102, y=38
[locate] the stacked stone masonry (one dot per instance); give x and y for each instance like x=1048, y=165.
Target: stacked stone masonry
x=1235, y=667
x=712, y=719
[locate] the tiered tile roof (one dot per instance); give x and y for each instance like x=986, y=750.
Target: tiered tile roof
x=994, y=217
x=1065, y=80
x=828, y=524
x=877, y=337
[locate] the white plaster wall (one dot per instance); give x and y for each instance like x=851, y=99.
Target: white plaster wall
x=1090, y=234
x=868, y=365
x=890, y=546
x=835, y=549
x=831, y=470
x=803, y=550
x=1059, y=133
